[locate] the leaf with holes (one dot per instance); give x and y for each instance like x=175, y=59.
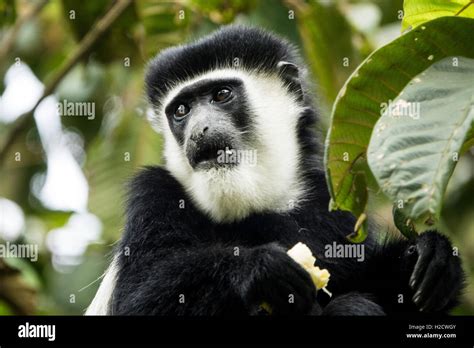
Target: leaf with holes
x=379, y=79
x=416, y=143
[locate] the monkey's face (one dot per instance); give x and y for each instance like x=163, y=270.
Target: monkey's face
x=231, y=140
x=210, y=119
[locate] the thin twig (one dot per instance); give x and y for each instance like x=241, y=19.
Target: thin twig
x=101, y=26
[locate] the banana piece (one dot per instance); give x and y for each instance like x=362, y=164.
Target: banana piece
x=303, y=255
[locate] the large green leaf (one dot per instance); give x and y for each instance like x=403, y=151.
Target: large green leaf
x=417, y=12
x=377, y=80
x=416, y=143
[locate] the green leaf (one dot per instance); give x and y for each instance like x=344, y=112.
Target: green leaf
x=377, y=80
x=417, y=12
x=416, y=143
x=404, y=224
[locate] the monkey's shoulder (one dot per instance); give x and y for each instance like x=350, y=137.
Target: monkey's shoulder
x=154, y=190
x=159, y=214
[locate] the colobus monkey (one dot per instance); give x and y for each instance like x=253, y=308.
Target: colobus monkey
x=208, y=233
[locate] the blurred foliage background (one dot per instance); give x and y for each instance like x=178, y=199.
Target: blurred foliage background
x=62, y=179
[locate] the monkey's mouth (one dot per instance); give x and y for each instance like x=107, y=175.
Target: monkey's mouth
x=209, y=156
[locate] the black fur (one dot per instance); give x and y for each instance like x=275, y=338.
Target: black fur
x=255, y=50
x=231, y=269
x=173, y=251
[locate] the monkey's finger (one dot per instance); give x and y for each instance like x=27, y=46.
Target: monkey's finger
x=424, y=258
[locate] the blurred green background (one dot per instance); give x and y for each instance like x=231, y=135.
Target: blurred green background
x=62, y=179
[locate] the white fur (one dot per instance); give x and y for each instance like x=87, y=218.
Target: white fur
x=100, y=303
x=231, y=194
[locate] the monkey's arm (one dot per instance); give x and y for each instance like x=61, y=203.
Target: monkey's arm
x=213, y=280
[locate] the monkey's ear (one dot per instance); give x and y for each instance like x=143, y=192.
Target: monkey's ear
x=289, y=72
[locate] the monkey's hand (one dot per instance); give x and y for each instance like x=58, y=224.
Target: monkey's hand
x=280, y=283
x=437, y=276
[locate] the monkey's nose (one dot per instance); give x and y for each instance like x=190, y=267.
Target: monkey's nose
x=198, y=135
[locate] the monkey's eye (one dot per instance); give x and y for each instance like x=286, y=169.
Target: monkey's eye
x=181, y=111
x=221, y=95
